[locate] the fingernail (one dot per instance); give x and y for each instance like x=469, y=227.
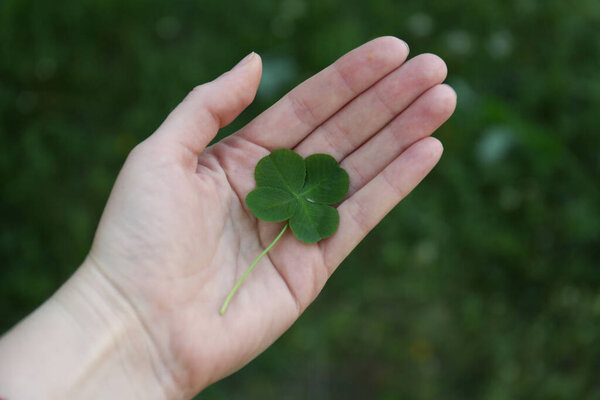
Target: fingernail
x=245, y=60
x=407, y=46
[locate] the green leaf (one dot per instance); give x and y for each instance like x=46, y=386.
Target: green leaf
x=326, y=181
x=301, y=190
x=282, y=169
x=312, y=222
x=272, y=204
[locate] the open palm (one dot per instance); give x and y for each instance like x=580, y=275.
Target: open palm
x=176, y=235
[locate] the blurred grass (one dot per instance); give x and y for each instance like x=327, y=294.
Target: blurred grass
x=483, y=284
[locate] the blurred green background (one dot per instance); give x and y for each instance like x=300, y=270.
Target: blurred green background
x=482, y=284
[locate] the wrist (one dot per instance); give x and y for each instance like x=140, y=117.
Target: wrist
x=85, y=342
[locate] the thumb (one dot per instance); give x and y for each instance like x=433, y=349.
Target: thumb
x=213, y=105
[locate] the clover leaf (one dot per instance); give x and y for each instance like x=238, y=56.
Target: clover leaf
x=299, y=190
x=289, y=187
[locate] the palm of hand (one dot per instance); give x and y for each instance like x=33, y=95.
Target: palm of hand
x=176, y=235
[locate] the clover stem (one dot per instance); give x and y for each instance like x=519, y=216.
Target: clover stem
x=239, y=282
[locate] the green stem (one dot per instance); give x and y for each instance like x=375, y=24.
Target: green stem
x=239, y=282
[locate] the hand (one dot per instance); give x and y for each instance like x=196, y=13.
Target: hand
x=176, y=235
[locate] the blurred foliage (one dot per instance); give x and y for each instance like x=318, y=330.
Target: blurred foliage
x=483, y=284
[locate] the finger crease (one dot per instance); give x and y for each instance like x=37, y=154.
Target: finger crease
x=386, y=106
x=302, y=111
x=395, y=188
x=345, y=80
x=359, y=216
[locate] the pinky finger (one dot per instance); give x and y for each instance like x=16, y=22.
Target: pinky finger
x=362, y=211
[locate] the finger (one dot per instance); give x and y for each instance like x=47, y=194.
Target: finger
x=299, y=112
x=363, y=210
x=372, y=110
x=421, y=119
x=208, y=107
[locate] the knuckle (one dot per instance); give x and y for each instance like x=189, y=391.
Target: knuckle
x=302, y=110
x=245, y=97
x=197, y=91
x=359, y=215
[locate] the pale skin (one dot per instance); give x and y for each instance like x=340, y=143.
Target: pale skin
x=140, y=317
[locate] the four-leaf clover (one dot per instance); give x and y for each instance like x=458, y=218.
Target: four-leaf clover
x=289, y=187
x=299, y=190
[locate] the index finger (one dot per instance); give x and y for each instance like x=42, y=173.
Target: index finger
x=312, y=102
